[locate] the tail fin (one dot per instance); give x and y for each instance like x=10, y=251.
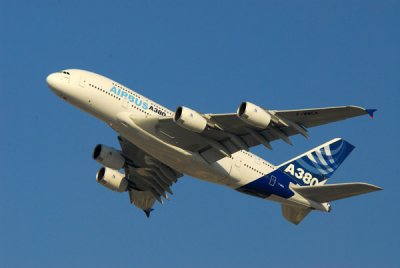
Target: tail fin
x=317, y=165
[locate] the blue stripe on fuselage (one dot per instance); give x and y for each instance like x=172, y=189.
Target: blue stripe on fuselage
x=264, y=186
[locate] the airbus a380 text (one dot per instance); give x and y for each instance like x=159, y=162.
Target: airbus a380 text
x=158, y=146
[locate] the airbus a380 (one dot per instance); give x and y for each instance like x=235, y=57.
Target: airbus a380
x=158, y=146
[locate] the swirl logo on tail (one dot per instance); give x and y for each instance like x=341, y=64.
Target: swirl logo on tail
x=317, y=165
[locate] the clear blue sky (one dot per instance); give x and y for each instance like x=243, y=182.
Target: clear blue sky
x=208, y=55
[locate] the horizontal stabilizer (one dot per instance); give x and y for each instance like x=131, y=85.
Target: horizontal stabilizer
x=332, y=192
x=294, y=214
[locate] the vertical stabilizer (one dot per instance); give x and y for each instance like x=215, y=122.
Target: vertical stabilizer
x=317, y=165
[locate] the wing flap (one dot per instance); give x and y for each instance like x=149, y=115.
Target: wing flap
x=332, y=192
x=141, y=199
x=150, y=180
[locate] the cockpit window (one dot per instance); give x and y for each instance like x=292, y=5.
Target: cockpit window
x=64, y=72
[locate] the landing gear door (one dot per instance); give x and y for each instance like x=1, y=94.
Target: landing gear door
x=272, y=180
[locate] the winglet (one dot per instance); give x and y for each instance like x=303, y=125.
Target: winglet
x=147, y=212
x=371, y=112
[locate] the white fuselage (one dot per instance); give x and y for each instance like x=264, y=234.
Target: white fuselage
x=91, y=92
x=115, y=104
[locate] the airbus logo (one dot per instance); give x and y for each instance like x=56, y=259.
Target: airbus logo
x=131, y=98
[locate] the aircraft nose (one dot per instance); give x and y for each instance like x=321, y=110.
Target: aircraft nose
x=52, y=80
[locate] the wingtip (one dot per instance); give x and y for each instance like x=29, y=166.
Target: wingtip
x=147, y=212
x=372, y=187
x=371, y=112
x=378, y=188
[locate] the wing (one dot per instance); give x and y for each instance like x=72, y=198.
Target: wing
x=149, y=179
x=227, y=133
x=286, y=123
x=332, y=192
x=320, y=116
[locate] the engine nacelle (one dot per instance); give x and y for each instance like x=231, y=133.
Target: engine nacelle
x=189, y=119
x=254, y=115
x=108, y=156
x=112, y=179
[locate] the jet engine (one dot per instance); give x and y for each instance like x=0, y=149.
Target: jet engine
x=189, y=119
x=108, y=156
x=254, y=115
x=112, y=179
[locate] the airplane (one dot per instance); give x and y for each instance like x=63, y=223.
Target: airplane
x=158, y=146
